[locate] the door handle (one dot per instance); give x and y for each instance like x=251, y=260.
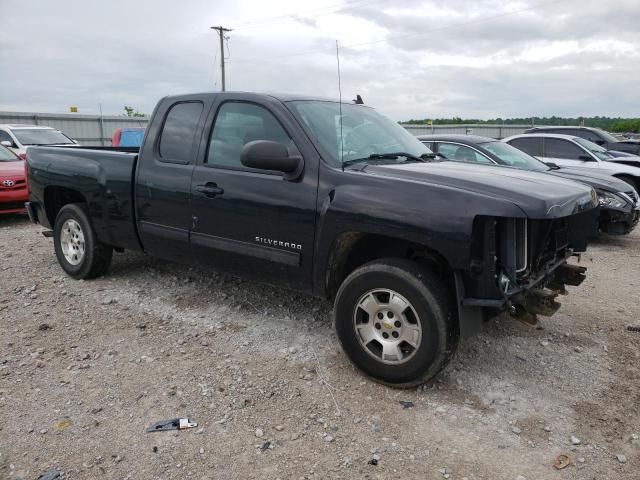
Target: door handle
x=210, y=189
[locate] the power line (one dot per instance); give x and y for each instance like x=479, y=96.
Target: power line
x=421, y=33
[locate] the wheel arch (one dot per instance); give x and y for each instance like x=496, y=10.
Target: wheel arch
x=56, y=197
x=632, y=180
x=350, y=250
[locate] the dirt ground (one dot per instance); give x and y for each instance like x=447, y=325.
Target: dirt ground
x=86, y=366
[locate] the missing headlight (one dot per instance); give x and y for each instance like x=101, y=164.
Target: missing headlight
x=514, y=248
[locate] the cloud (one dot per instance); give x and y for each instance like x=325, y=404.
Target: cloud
x=411, y=58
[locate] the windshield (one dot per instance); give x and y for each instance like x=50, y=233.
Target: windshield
x=364, y=132
x=597, y=150
x=7, y=155
x=41, y=136
x=513, y=157
x=607, y=136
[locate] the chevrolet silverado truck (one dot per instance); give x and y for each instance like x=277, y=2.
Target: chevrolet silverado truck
x=328, y=198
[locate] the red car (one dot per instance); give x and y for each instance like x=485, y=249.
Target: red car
x=13, y=182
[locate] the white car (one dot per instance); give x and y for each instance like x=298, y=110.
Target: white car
x=18, y=138
x=571, y=151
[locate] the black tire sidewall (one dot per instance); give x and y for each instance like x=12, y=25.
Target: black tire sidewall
x=432, y=314
x=77, y=213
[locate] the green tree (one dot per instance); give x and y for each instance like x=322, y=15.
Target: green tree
x=132, y=112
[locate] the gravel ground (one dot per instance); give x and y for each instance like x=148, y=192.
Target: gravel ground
x=85, y=367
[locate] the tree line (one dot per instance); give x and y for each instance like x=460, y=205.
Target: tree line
x=611, y=124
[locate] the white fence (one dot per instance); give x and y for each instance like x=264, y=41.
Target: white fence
x=492, y=131
x=86, y=129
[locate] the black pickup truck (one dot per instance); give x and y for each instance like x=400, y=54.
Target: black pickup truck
x=331, y=199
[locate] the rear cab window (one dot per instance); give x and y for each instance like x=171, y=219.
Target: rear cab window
x=178, y=136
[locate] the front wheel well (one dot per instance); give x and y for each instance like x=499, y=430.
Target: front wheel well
x=630, y=179
x=353, y=249
x=56, y=197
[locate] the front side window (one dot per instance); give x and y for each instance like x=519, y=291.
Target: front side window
x=513, y=157
x=236, y=124
x=178, y=136
x=597, y=150
x=41, y=136
x=560, y=148
x=429, y=145
x=461, y=153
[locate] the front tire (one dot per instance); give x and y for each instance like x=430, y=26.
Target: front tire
x=395, y=321
x=77, y=248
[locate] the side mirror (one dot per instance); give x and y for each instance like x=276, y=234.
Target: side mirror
x=599, y=142
x=555, y=166
x=268, y=155
x=7, y=143
x=585, y=158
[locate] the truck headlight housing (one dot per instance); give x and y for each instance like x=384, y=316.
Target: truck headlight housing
x=611, y=200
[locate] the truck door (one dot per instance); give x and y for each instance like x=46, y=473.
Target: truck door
x=163, y=182
x=252, y=222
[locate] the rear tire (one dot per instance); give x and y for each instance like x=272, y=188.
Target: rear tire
x=395, y=321
x=77, y=248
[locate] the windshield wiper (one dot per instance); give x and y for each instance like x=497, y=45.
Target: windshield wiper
x=392, y=156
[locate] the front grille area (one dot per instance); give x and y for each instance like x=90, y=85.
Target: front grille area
x=18, y=185
x=633, y=195
x=11, y=206
x=508, y=254
x=522, y=244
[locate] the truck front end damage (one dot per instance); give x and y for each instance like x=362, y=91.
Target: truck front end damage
x=520, y=264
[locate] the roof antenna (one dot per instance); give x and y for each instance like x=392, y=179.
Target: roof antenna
x=340, y=106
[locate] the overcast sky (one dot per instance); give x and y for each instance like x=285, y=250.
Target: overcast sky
x=409, y=58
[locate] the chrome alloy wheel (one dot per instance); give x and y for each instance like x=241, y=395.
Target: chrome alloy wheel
x=72, y=242
x=387, y=326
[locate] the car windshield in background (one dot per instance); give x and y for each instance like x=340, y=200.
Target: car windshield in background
x=608, y=137
x=514, y=157
x=7, y=156
x=41, y=136
x=364, y=133
x=596, y=149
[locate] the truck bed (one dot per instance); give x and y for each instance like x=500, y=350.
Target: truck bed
x=102, y=177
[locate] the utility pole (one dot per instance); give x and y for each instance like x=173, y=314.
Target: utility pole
x=221, y=30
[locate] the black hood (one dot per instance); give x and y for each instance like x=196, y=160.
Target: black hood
x=538, y=195
x=597, y=180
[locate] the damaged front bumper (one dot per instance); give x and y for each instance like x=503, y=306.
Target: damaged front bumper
x=619, y=222
x=520, y=266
